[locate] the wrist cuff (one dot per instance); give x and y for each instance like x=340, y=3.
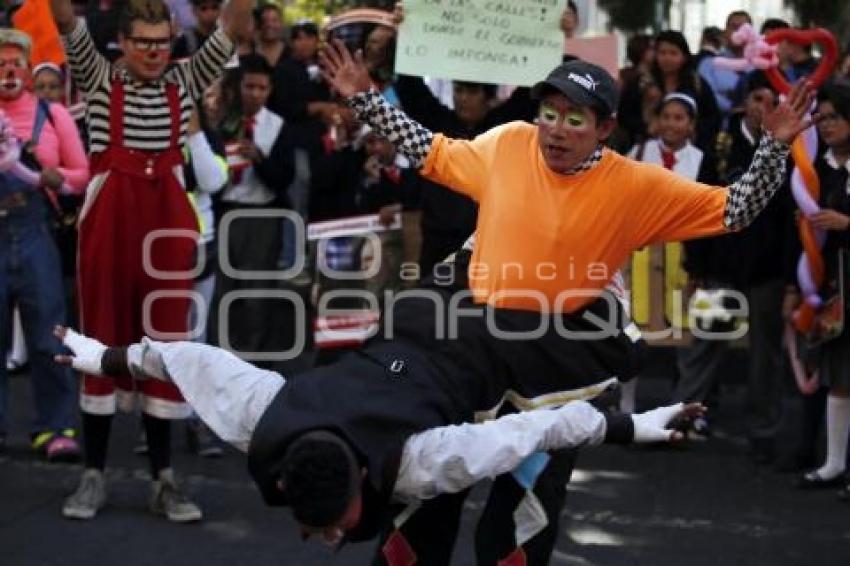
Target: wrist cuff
x=114, y=362
x=619, y=429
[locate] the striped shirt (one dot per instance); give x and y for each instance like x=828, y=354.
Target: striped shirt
x=147, y=120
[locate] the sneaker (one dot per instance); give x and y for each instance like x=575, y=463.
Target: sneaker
x=89, y=498
x=200, y=440
x=168, y=500
x=63, y=448
x=57, y=446
x=14, y=367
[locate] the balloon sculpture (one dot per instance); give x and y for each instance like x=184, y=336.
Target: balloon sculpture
x=760, y=53
x=10, y=160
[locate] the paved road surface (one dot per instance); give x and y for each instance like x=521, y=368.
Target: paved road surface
x=704, y=505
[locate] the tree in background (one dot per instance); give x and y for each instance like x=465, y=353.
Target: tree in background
x=630, y=16
x=834, y=15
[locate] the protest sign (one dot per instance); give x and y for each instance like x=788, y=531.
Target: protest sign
x=492, y=41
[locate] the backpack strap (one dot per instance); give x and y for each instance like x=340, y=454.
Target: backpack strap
x=42, y=115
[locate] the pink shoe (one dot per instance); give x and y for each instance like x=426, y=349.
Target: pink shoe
x=61, y=448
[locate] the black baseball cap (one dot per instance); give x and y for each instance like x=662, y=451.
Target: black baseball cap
x=583, y=83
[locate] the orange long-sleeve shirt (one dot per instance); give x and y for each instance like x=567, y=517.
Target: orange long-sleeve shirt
x=551, y=242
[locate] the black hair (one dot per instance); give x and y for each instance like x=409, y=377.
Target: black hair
x=304, y=28
x=737, y=13
x=489, y=90
x=147, y=11
x=262, y=9
x=254, y=64
x=573, y=6
x=690, y=110
x=712, y=35
x=756, y=80
x=320, y=476
x=636, y=47
x=771, y=24
x=837, y=92
x=687, y=77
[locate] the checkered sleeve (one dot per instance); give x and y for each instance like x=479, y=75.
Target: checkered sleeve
x=410, y=138
x=750, y=194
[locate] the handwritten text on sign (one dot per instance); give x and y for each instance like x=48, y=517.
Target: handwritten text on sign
x=491, y=41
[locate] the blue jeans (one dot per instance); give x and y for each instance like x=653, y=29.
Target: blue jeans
x=31, y=277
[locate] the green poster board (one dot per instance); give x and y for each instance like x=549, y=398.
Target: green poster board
x=514, y=42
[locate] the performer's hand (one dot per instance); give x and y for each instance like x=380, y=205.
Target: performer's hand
x=87, y=352
x=828, y=219
x=346, y=74
x=788, y=118
x=651, y=426
x=51, y=178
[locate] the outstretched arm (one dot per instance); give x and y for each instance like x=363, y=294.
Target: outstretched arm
x=451, y=458
x=459, y=165
x=229, y=395
x=674, y=208
x=347, y=74
x=751, y=193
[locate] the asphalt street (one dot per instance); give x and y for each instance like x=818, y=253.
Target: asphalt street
x=705, y=504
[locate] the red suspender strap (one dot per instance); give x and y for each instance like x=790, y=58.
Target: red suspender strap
x=176, y=114
x=116, y=114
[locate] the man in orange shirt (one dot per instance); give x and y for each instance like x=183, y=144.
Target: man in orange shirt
x=558, y=215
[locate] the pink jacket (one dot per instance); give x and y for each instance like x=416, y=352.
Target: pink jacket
x=59, y=145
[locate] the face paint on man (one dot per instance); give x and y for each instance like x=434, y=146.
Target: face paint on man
x=147, y=50
x=14, y=72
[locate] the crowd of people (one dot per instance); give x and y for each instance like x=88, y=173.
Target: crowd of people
x=175, y=165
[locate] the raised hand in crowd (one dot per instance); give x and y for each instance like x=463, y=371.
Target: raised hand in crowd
x=346, y=74
x=789, y=117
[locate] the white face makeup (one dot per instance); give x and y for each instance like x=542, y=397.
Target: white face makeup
x=14, y=72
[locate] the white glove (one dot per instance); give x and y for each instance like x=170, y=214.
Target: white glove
x=88, y=352
x=651, y=426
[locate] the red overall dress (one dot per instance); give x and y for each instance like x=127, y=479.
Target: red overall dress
x=134, y=193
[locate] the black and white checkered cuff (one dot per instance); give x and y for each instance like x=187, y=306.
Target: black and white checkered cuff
x=750, y=194
x=409, y=137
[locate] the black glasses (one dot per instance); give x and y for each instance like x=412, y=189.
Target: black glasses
x=150, y=43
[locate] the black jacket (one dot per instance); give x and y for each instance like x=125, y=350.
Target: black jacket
x=375, y=399
x=768, y=248
x=834, y=196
